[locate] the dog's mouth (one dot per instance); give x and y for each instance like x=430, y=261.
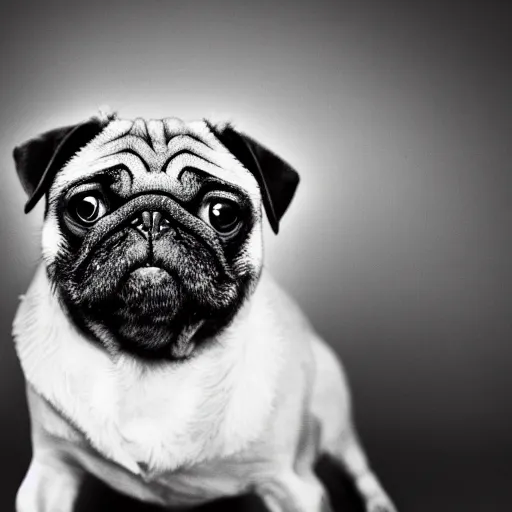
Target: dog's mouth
x=152, y=316
x=154, y=307
x=150, y=272
x=149, y=291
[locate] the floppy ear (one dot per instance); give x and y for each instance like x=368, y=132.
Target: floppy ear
x=277, y=179
x=39, y=159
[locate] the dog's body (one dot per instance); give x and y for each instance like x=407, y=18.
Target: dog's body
x=173, y=409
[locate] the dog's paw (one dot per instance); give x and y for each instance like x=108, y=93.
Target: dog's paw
x=380, y=505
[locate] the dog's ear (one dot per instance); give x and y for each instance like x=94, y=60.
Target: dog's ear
x=276, y=178
x=39, y=159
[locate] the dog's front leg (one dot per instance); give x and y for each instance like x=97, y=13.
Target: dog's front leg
x=290, y=492
x=50, y=485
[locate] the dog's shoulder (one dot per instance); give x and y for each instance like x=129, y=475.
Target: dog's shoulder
x=282, y=310
x=330, y=392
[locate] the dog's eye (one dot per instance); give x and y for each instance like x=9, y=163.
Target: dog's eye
x=87, y=208
x=223, y=215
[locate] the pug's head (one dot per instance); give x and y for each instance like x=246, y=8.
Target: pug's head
x=152, y=236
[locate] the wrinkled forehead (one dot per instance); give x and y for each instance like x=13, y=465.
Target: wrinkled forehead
x=156, y=153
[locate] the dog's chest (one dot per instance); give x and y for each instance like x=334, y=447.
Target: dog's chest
x=165, y=420
x=178, y=464
x=154, y=447
x=192, y=486
x=161, y=421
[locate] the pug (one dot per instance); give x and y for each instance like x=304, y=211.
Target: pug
x=159, y=354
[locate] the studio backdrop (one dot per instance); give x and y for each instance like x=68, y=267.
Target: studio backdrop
x=397, y=115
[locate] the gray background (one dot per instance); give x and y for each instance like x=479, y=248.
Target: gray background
x=398, y=117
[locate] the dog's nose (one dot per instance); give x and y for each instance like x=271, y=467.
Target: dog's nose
x=151, y=223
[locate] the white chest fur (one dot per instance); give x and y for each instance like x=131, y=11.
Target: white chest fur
x=164, y=416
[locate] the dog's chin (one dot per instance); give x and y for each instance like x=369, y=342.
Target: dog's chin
x=149, y=317
x=148, y=289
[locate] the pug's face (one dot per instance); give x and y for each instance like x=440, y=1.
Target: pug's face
x=153, y=234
